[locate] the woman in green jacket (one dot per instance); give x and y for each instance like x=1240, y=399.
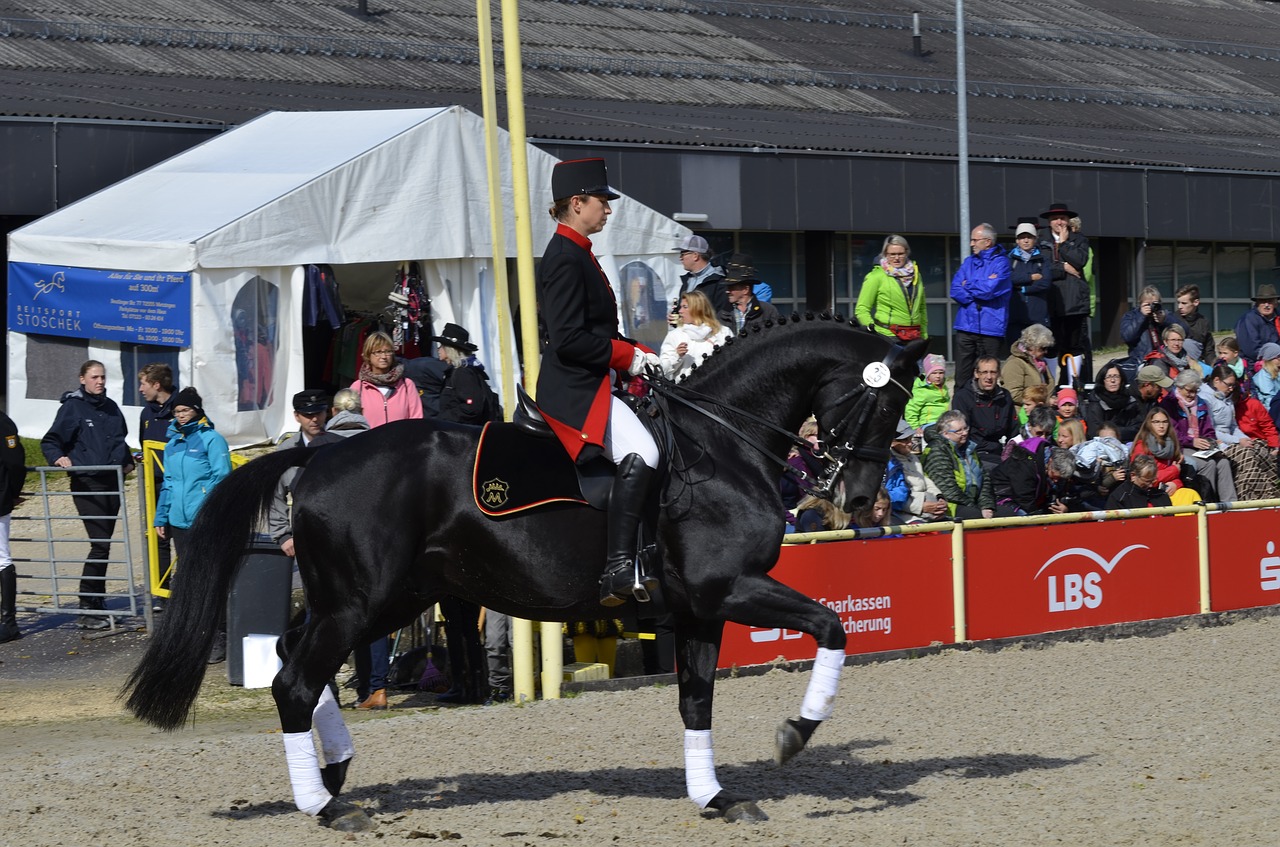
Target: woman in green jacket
x=892, y=297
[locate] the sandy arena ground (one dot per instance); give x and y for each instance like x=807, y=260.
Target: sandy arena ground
x=1154, y=741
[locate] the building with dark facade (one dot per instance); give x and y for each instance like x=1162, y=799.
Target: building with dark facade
x=799, y=133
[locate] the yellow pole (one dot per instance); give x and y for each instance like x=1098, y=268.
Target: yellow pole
x=520, y=191
x=493, y=162
x=521, y=631
x=552, y=660
x=1202, y=530
x=957, y=583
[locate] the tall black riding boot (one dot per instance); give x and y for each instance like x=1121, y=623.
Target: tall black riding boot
x=9, y=605
x=626, y=507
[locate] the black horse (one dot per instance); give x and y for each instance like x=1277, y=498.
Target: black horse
x=385, y=524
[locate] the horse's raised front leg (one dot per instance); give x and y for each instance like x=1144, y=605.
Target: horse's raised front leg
x=764, y=602
x=697, y=651
x=302, y=695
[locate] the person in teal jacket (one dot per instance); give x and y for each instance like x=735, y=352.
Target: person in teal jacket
x=891, y=300
x=195, y=460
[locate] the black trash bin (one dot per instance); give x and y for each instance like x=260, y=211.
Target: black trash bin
x=259, y=600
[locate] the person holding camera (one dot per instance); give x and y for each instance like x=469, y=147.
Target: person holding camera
x=1143, y=326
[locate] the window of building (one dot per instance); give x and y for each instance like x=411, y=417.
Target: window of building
x=133, y=357
x=779, y=260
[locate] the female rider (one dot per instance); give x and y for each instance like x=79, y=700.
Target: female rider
x=584, y=354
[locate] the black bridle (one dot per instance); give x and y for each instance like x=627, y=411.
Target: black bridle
x=835, y=451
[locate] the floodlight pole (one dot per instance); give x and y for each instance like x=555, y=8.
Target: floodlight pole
x=962, y=127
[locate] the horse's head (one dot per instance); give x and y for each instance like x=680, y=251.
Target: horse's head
x=858, y=413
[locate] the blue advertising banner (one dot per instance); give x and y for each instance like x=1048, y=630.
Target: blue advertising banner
x=143, y=307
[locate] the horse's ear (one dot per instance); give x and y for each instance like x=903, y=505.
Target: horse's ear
x=914, y=351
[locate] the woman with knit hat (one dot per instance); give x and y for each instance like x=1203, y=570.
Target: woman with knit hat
x=196, y=458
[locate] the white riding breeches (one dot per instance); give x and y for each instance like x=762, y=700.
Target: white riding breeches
x=625, y=434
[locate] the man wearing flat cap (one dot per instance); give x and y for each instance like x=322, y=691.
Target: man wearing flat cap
x=311, y=411
x=1260, y=325
x=744, y=309
x=700, y=274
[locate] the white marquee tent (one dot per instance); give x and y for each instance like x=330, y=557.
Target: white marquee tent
x=243, y=215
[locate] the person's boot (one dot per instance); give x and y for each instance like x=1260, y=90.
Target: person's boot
x=623, y=576
x=9, y=605
x=93, y=622
x=375, y=700
x=218, y=653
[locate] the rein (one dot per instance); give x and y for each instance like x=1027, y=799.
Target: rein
x=875, y=377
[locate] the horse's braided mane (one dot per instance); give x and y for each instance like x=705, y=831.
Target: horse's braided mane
x=768, y=326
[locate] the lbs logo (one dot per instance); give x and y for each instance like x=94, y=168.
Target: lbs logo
x=1081, y=590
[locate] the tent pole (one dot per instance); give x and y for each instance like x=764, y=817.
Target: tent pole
x=552, y=640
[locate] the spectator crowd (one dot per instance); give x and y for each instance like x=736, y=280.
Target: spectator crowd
x=1029, y=428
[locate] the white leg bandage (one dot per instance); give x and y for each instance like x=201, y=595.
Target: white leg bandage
x=309, y=793
x=335, y=740
x=700, y=767
x=820, y=696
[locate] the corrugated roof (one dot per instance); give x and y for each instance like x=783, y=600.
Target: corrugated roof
x=1132, y=81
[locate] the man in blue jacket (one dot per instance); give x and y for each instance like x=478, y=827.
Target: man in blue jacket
x=982, y=289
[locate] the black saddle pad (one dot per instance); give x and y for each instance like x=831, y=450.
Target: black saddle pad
x=515, y=471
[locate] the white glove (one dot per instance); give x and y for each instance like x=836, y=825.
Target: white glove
x=639, y=360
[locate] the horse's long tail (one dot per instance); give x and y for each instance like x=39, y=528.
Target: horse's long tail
x=164, y=685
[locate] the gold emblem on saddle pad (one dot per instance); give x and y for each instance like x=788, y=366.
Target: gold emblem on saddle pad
x=494, y=493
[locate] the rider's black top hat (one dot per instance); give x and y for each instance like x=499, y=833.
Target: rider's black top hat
x=581, y=176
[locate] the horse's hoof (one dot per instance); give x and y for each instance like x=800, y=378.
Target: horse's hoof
x=744, y=811
x=736, y=809
x=334, y=775
x=345, y=817
x=792, y=735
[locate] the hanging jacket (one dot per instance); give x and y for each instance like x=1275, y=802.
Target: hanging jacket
x=195, y=460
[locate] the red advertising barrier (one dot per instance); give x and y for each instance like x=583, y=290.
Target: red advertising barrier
x=1245, y=564
x=890, y=593
x=1027, y=580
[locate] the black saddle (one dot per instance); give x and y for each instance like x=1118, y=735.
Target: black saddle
x=522, y=465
